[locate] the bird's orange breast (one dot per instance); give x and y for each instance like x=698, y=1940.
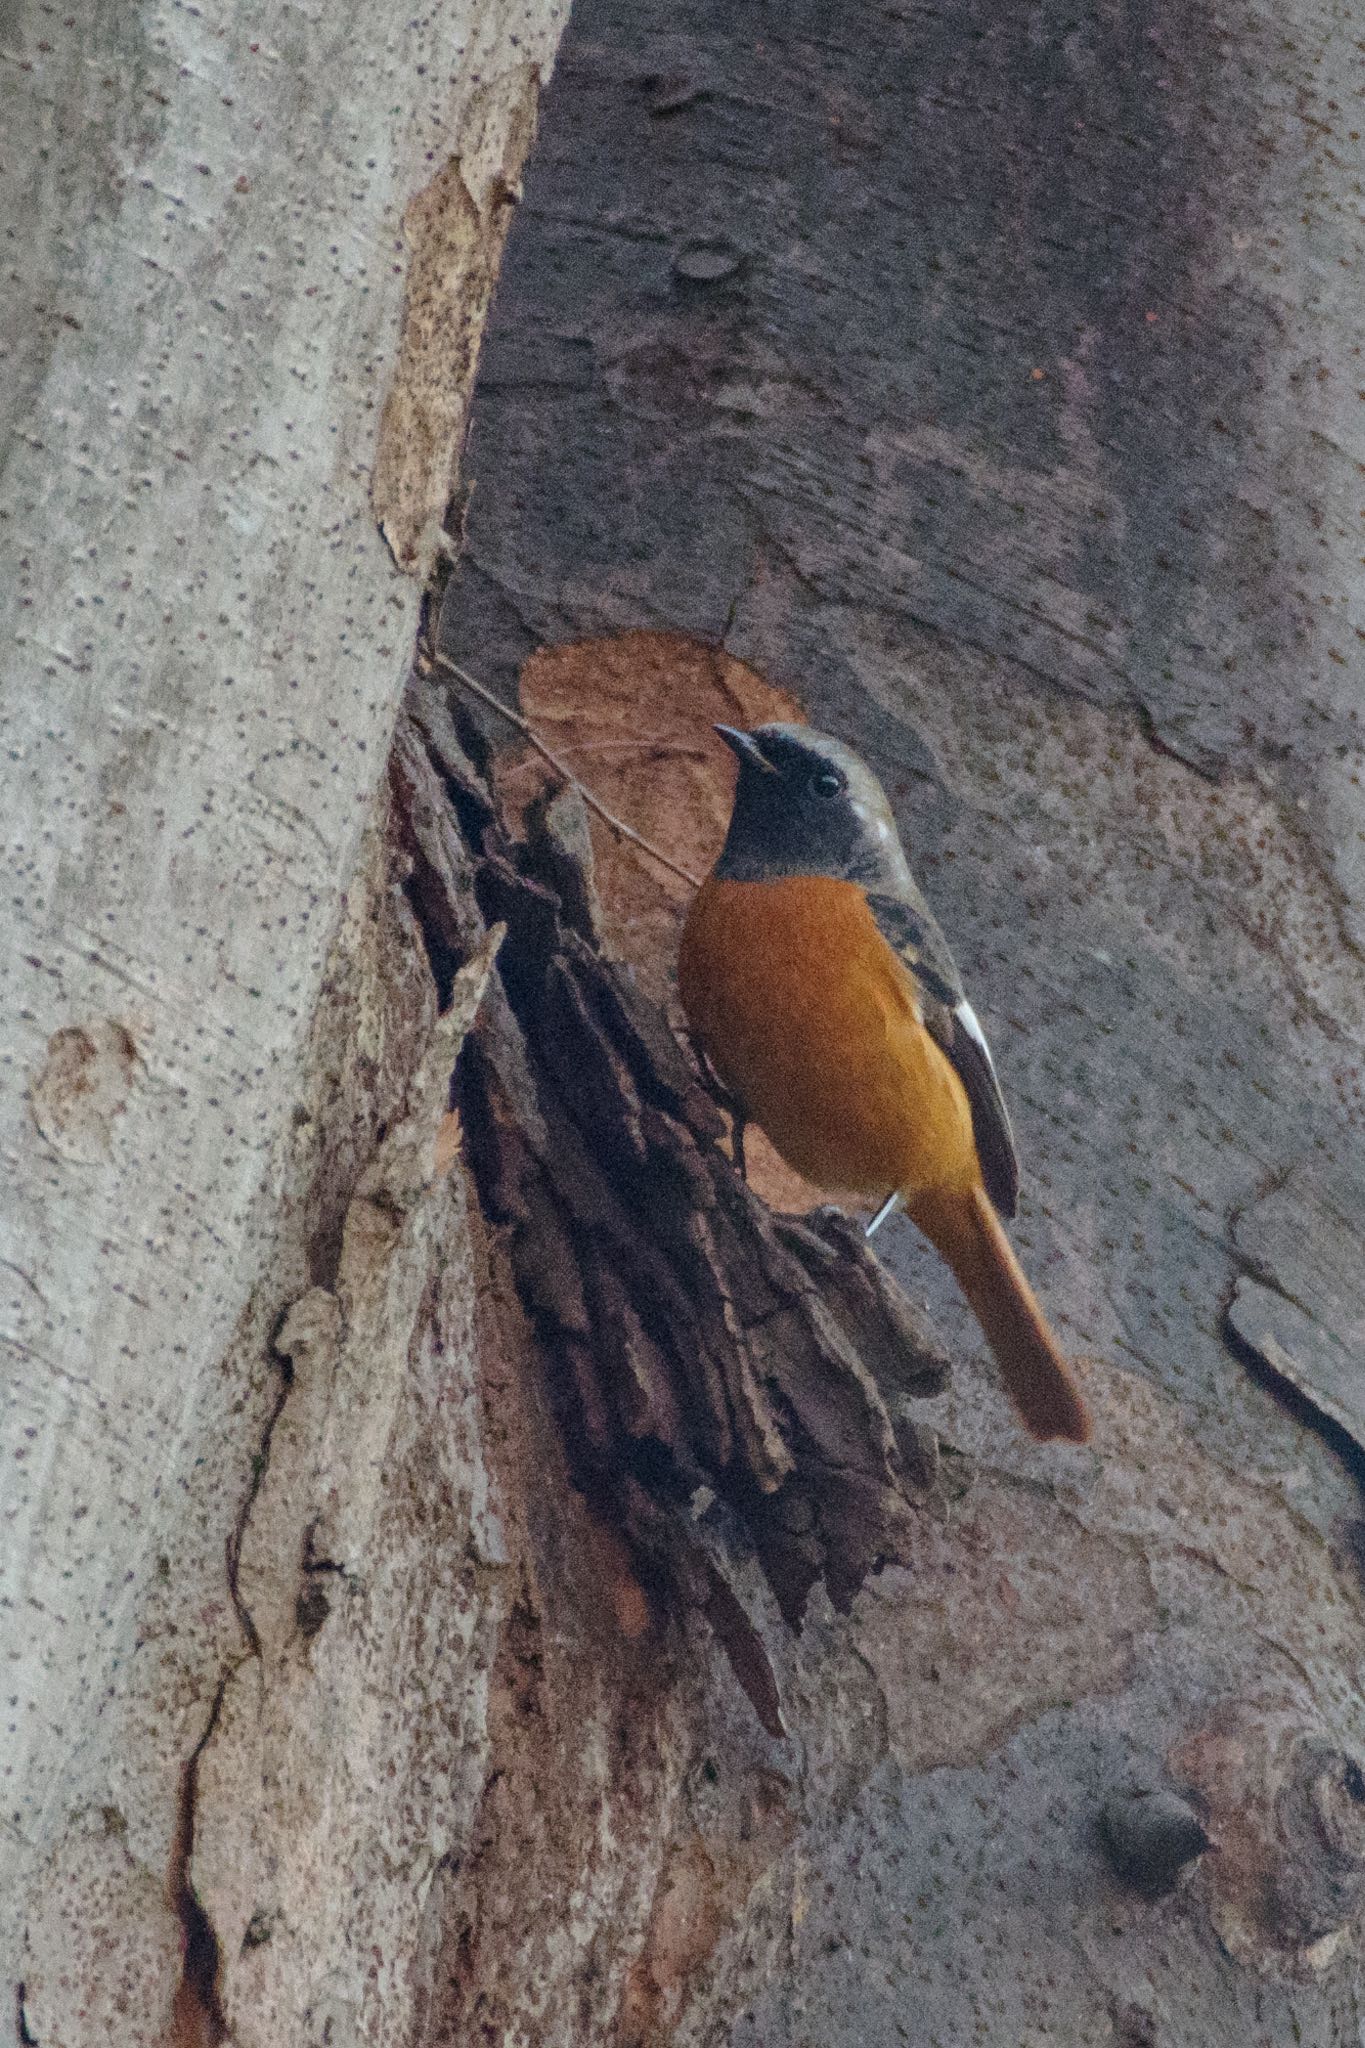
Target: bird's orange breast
x=813, y=1023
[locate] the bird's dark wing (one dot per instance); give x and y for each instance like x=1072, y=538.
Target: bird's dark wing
x=910, y=928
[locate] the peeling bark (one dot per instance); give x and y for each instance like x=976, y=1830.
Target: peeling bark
x=345, y=1570
x=695, y=1340
x=475, y=1571
x=453, y=231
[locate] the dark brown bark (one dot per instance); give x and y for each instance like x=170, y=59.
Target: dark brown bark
x=691, y=1338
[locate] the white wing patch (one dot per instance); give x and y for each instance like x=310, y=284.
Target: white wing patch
x=971, y=1024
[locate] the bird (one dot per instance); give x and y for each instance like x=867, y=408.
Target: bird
x=823, y=995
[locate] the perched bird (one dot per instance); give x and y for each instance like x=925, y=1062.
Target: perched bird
x=820, y=988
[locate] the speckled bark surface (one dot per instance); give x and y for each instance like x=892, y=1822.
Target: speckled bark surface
x=347, y=1714
x=207, y=297
x=988, y=380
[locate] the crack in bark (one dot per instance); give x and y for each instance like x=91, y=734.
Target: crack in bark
x=21, y=2026
x=260, y=1465
x=198, y=2020
x=1304, y=1405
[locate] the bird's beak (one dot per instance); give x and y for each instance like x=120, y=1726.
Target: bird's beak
x=746, y=747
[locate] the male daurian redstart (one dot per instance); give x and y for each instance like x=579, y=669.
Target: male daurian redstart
x=823, y=993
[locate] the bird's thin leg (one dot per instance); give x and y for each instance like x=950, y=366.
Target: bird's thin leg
x=888, y=1208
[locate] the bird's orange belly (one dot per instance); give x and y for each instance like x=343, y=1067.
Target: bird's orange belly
x=811, y=1022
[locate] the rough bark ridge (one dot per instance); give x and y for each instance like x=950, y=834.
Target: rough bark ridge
x=698, y=1340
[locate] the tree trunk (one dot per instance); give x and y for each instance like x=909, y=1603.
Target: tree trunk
x=441, y=1599
x=249, y=259
x=985, y=378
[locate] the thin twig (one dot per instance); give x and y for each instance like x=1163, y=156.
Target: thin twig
x=609, y=818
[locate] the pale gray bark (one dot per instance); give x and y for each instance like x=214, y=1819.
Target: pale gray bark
x=233, y=239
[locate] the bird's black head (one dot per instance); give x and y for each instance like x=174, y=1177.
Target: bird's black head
x=806, y=805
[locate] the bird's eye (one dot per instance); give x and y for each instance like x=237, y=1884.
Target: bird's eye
x=826, y=782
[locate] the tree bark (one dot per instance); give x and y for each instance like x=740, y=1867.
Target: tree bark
x=249, y=259
x=419, y=1624
x=985, y=379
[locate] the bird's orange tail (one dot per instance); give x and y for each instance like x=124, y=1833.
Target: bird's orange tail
x=967, y=1232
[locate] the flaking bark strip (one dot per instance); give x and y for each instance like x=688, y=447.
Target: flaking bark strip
x=311, y=1341
x=454, y=229
x=405, y=1165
